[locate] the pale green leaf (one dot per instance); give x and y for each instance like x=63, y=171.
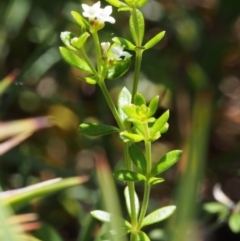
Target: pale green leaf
x=159, y=124
x=234, y=222
x=153, y=105
x=124, y=99
x=154, y=40
x=124, y=175
x=118, y=232
x=141, y=236
x=166, y=161
x=96, y=129
x=128, y=203
x=72, y=59
x=141, y=26
x=126, y=137
x=158, y=215
x=80, y=20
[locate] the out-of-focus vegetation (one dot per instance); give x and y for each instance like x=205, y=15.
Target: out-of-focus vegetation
x=195, y=70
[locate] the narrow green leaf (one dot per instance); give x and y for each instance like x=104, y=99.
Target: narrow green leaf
x=234, y=222
x=141, y=24
x=164, y=128
x=79, y=42
x=74, y=60
x=116, y=233
x=122, y=9
x=216, y=207
x=126, y=137
x=141, y=3
x=21, y=197
x=141, y=236
x=155, y=180
x=166, y=161
x=90, y=80
x=159, y=124
x=96, y=129
x=108, y=217
x=117, y=3
x=124, y=99
x=139, y=99
x=128, y=203
x=66, y=38
x=124, y=175
x=138, y=158
x=158, y=215
x=124, y=42
x=80, y=20
x=154, y=40
x=153, y=105
x=118, y=69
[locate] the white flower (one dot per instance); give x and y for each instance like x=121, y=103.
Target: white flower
x=104, y=15
x=93, y=11
x=118, y=52
x=96, y=12
x=105, y=46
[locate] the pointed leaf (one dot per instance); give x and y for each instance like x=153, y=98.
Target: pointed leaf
x=139, y=99
x=138, y=158
x=124, y=99
x=121, y=9
x=126, y=137
x=74, y=60
x=234, y=222
x=159, y=124
x=141, y=236
x=216, y=207
x=153, y=105
x=116, y=233
x=128, y=203
x=124, y=175
x=118, y=69
x=90, y=80
x=166, y=161
x=155, y=180
x=158, y=215
x=80, y=20
x=21, y=197
x=124, y=42
x=117, y=3
x=79, y=42
x=108, y=217
x=96, y=129
x=164, y=128
x=141, y=24
x=154, y=40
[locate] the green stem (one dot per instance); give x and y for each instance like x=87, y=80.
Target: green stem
x=147, y=187
x=111, y=105
x=98, y=49
x=131, y=187
x=137, y=68
x=85, y=57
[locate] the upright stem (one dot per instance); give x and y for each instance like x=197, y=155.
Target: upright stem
x=136, y=26
x=111, y=105
x=85, y=57
x=138, y=62
x=98, y=49
x=147, y=187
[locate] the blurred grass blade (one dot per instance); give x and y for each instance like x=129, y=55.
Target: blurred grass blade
x=11, y=128
x=7, y=81
x=8, y=230
x=9, y=144
x=22, y=196
x=108, y=190
x=183, y=226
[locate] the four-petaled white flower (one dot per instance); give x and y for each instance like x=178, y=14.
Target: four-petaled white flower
x=96, y=12
x=91, y=12
x=118, y=52
x=105, y=47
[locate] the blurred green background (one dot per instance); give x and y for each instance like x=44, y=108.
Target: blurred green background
x=194, y=69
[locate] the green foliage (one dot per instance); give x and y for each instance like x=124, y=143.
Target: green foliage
x=124, y=175
x=124, y=42
x=158, y=215
x=96, y=129
x=154, y=40
x=128, y=202
x=138, y=158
